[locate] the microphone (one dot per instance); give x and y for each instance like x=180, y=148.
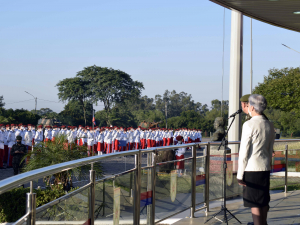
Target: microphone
x=234, y=114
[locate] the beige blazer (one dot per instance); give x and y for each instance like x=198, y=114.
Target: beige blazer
x=256, y=146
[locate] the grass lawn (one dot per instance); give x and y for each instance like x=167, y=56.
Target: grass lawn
x=291, y=145
x=292, y=187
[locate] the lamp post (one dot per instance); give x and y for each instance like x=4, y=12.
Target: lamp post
x=166, y=113
x=290, y=48
x=34, y=99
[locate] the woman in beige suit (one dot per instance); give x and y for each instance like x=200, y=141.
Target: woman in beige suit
x=255, y=160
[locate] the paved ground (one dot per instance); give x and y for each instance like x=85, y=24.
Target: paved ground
x=285, y=209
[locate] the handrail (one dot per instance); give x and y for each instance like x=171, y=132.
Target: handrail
x=13, y=182
x=23, y=178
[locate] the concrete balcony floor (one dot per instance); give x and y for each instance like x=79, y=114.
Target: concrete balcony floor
x=285, y=209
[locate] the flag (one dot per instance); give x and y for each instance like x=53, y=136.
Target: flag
x=94, y=121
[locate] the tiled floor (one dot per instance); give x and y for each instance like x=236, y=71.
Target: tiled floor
x=285, y=209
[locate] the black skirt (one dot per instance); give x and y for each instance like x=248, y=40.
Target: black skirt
x=257, y=190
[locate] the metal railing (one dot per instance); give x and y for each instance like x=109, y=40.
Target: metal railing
x=208, y=172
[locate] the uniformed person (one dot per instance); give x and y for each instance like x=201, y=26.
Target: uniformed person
x=18, y=151
x=244, y=103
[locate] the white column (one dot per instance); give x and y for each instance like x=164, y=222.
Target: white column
x=236, y=75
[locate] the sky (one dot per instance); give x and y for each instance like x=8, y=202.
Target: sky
x=174, y=45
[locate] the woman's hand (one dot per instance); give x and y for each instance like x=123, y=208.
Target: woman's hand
x=241, y=182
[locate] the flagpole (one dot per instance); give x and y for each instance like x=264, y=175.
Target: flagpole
x=251, y=58
x=93, y=119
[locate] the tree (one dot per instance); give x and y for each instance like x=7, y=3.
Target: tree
x=76, y=89
x=109, y=86
x=117, y=117
x=139, y=103
x=46, y=112
x=73, y=115
x=176, y=103
x=2, y=101
x=148, y=116
x=19, y=116
x=281, y=89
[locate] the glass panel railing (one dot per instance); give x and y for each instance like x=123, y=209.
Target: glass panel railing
x=215, y=176
x=71, y=208
x=173, y=188
x=293, y=167
x=232, y=186
x=200, y=180
x=146, y=196
x=216, y=179
x=277, y=176
x=114, y=199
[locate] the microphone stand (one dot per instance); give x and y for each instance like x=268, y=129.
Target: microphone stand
x=224, y=209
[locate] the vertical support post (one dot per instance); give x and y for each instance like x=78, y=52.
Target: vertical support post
x=251, y=57
x=149, y=185
x=137, y=190
x=92, y=197
x=193, y=203
x=286, y=169
x=130, y=185
x=236, y=75
x=31, y=206
x=154, y=158
x=207, y=165
x=104, y=204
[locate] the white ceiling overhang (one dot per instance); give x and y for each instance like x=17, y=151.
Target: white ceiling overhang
x=281, y=13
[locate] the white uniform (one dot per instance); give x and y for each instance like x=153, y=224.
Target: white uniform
x=1, y=140
x=11, y=138
x=38, y=137
x=90, y=139
x=28, y=138
x=47, y=134
x=180, y=152
x=33, y=132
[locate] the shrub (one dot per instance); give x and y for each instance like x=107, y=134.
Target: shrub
x=13, y=202
x=297, y=166
x=51, y=153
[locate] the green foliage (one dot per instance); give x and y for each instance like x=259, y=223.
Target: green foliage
x=94, y=84
x=13, y=203
x=297, y=166
x=110, y=87
x=182, y=112
x=18, y=116
x=75, y=89
x=191, y=119
x=287, y=122
x=281, y=89
x=2, y=101
x=117, y=117
x=176, y=103
x=46, y=113
x=51, y=153
x=148, y=116
x=73, y=114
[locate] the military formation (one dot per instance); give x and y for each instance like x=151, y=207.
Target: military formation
x=100, y=140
